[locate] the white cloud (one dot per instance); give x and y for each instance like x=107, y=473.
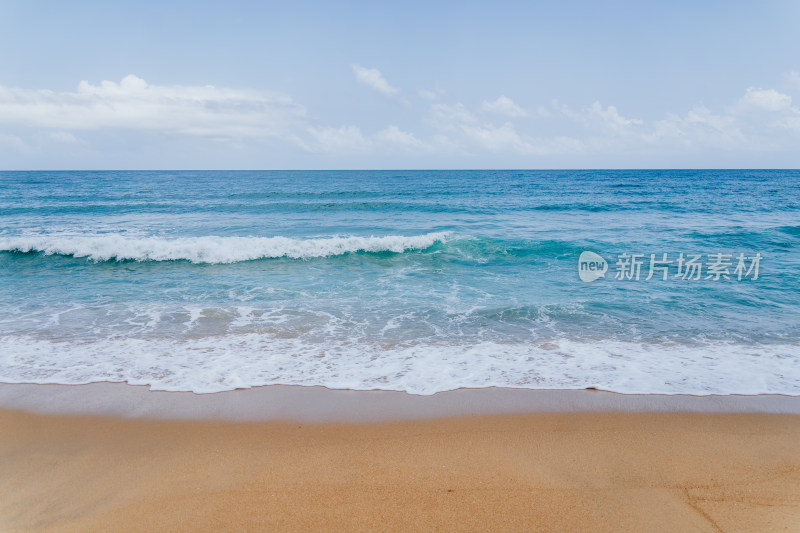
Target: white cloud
x=14, y=142
x=602, y=131
x=434, y=94
x=372, y=77
x=98, y=118
x=447, y=115
x=761, y=121
x=62, y=137
x=471, y=136
x=768, y=111
x=427, y=95
x=504, y=106
x=394, y=136
x=498, y=138
x=607, y=119
x=136, y=105
x=343, y=140
x=765, y=99
x=794, y=78
x=699, y=127
x=505, y=139
x=792, y=123
x=349, y=140
x=612, y=119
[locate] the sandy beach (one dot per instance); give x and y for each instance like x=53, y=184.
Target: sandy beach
x=543, y=471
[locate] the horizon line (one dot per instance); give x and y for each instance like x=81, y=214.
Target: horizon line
x=386, y=169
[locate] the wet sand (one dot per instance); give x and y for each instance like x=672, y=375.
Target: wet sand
x=545, y=471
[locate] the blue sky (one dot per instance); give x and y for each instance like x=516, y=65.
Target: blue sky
x=411, y=85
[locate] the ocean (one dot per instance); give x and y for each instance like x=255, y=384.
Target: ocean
x=634, y=281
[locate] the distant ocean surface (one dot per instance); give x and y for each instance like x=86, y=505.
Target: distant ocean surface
x=421, y=281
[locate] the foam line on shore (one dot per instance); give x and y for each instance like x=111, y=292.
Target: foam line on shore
x=319, y=404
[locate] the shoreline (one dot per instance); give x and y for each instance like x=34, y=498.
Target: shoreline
x=316, y=404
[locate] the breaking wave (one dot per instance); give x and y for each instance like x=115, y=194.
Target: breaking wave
x=213, y=249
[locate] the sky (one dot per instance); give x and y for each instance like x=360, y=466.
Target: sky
x=363, y=85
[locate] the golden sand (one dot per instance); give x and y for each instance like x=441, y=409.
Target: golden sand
x=536, y=472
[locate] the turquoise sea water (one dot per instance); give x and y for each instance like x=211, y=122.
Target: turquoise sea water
x=406, y=280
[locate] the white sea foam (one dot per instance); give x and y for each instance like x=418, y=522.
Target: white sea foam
x=212, y=249
x=217, y=363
